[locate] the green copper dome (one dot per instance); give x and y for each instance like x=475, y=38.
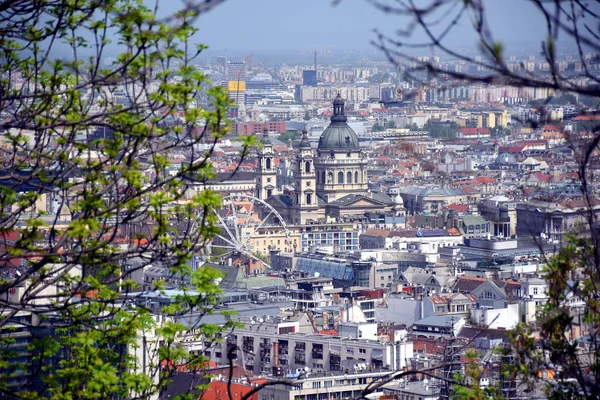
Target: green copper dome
x=338, y=135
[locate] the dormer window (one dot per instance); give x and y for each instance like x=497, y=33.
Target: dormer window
x=347, y=139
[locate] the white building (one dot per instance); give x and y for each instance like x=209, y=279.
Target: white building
x=496, y=318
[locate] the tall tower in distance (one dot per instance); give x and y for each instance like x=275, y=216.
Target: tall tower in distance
x=309, y=76
x=265, y=171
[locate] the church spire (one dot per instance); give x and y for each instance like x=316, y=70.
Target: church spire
x=304, y=142
x=265, y=137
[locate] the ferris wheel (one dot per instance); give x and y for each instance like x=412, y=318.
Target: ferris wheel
x=246, y=220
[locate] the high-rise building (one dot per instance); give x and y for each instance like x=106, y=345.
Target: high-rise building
x=236, y=71
x=222, y=64
x=309, y=77
x=237, y=92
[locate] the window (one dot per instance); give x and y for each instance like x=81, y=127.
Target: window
x=308, y=198
x=347, y=139
x=460, y=307
x=268, y=163
x=349, y=177
x=340, y=177
x=307, y=167
x=316, y=385
x=356, y=177
x=286, y=329
x=535, y=290
x=362, y=351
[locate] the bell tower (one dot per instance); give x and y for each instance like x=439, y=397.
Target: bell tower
x=265, y=169
x=305, y=196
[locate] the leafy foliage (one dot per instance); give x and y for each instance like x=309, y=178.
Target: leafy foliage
x=441, y=129
x=93, y=189
x=572, y=276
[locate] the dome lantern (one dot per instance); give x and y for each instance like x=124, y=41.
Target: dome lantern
x=338, y=135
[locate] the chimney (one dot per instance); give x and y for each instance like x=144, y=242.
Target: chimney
x=275, y=353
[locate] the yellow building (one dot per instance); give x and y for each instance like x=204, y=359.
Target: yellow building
x=488, y=119
x=501, y=118
x=237, y=91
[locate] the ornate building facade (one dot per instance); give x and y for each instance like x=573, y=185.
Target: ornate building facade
x=340, y=165
x=266, y=174
x=329, y=186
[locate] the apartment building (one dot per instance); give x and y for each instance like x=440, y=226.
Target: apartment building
x=341, y=385
x=273, y=345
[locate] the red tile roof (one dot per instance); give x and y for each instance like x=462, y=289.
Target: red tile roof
x=425, y=346
x=219, y=390
x=485, y=179
x=454, y=232
x=579, y=203
x=459, y=207
x=330, y=332
x=542, y=177
x=552, y=128
x=587, y=118
x=474, y=131
x=469, y=189
x=511, y=149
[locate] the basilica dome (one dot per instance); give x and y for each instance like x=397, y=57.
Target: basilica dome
x=506, y=159
x=338, y=135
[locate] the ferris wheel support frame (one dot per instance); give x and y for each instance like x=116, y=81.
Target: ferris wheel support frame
x=236, y=243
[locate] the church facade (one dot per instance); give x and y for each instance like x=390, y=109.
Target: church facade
x=330, y=185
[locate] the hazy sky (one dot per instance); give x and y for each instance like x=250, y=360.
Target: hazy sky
x=276, y=25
